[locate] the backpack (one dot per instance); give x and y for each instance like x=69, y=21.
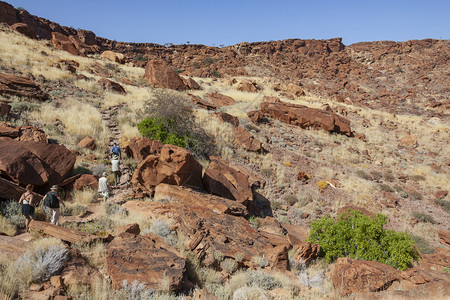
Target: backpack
x=51, y=200
x=115, y=150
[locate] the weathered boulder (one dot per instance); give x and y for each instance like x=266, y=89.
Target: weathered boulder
x=12, y=248
x=76, y=270
x=11, y=190
x=307, y=117
x=159, y=75
x=88, y=143
x=207, y=232
x=65, y=234
x=35, y=163
x=223, y=180
x=246, y=140
x=306, y=252
x=202, y=103
x=12, y=85
x=130, y=228
x=113, y=56
x=24, y=29
x=86, y=181
x=225, y=117
x=220, y=100
x=296, y=235
x=444, y=235
x=191, y=84
x=278, y=257
x=111, y=86
x=145, y=258
x=295, y=90
x=175, y=165
x=139, y=148
x=187, y=197
x=247, y=86
x=409, y=140
x=62, y=42
x=8, y=130
x=354, y=276
x=5, y=109
x=33, y=134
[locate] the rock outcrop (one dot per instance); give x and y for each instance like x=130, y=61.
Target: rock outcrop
x=113, y=56
x=220, y=100
x=65, y=234
x=140, y=148
x=223, y=180
x=246, y=140
x=12, y=85
x=35, y=163
x=111, y=86
x=175, y=165
x=307, y=117
x=160, y=75
x=145, y=258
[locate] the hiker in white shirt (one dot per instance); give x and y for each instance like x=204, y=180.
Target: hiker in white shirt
x=103, y=186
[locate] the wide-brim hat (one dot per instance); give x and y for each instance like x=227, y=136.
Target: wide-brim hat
x=115, y=156
x=54, y=187
x=105, y=174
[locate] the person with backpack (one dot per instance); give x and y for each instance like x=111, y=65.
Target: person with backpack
x=115, y=150
x=52, y=201
x=27, y=201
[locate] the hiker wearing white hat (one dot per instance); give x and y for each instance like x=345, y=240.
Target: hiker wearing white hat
x=103, y=186
x=52, y=200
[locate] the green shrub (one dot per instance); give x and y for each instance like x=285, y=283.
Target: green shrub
x=207, y=61
x=12, y=211
x=359, y=237
x=444, y=204
x=140, y=57
x=169, y=117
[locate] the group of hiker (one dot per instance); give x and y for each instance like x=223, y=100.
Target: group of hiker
x=52, y=200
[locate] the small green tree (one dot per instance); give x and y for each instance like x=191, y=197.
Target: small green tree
x=359, y=237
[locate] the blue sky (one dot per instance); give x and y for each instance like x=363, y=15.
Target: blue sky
x=214, y=22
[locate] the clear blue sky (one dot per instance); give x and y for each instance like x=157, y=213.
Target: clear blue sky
x=229, y=22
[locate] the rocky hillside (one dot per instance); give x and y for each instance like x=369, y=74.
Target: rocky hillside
x=272, y=138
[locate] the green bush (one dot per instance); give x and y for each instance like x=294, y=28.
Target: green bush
x=169, y=117
x=359, y=237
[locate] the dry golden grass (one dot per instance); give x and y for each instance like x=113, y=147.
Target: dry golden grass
x=6, y=227
x=83, y=197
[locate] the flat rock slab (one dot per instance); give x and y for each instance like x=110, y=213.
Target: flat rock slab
x=65, y=234
x=145, y=258
x=12, y=247
x=13, y=85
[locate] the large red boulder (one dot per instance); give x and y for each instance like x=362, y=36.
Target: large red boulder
x=5, y=109
x=159, y=75
x=62, y=42
x=202, y=103
x=191, y=83
x=8, y=130
x=30, y=133
x=175, y=165
x=307, y=117
x=220, y=100
x=111, y=86
x=86, y=181
x=13, y=85
x=145, y=258
x=35, y=163
x=246, y=140
x=140, y=148
x=113, y=56
x=355, y=276
x=223, y=180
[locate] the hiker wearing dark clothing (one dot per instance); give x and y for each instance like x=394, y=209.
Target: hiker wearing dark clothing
x=115, y=150
x=52, y=201
x=27, y=201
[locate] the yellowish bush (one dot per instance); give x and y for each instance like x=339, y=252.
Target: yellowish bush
x=83, y=197
x=7, y=227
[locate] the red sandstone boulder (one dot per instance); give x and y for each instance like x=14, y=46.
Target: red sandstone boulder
x=5, y=109
x=113, y=56
x=88, y=143
x=24, y=29
x=35, y=163
x=62, y=42
x=12, y=248
x=220, y=100
x=191, y=84
x=306, y=252
x=186, y=197
x=65, y=234
x=444, y=235
x=278, y=257
x=353, y=276
x=246, y=140
x=77, y=271
x=175, y=165
x=12, y=85
x=140, y=148
x=8, y=130
x=33, y=134
x=202, y=103
x=306, y=117
x=130, y=228
x=86, y=181
x=409, y=141
x=159, y=75
x=223, y=180
x=295, y=90
x=247, y=86
x=225, y=117
x=111, y=86
x=145, y=258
